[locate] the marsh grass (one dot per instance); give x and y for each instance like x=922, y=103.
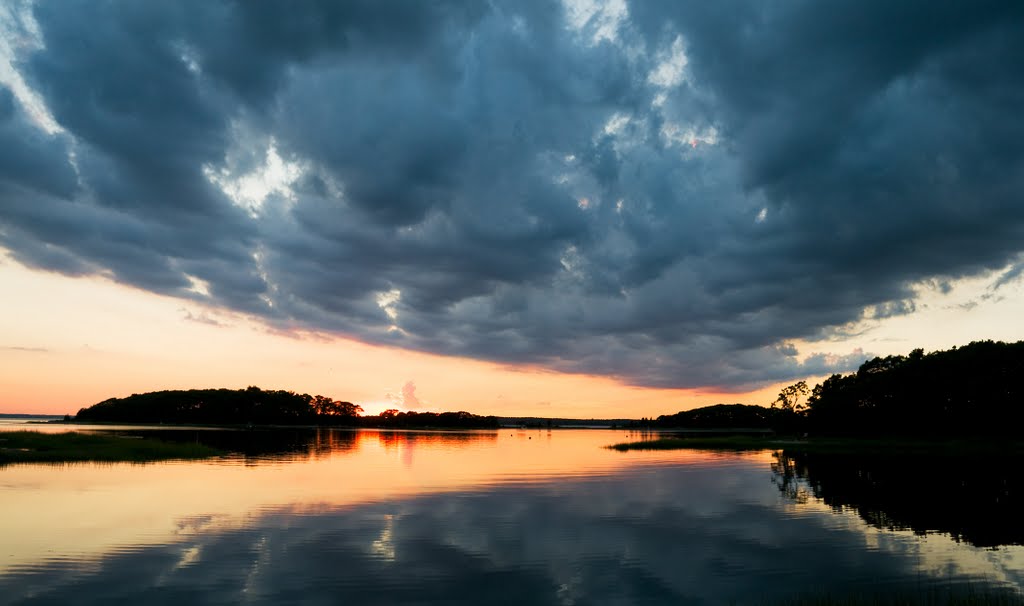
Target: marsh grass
x=36, y=447
x=828, y=445
x=717, y=443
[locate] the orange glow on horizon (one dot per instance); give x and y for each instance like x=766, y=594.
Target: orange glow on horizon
x=72, y=342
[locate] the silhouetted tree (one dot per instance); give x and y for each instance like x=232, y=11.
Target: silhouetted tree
x=327, y=407
x=789, y=398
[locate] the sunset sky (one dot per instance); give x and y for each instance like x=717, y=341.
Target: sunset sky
x=575, y=208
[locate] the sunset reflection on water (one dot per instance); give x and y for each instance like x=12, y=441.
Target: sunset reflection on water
x=87, y=508
x=506, y=516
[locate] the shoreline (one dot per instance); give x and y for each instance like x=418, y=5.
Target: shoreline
x=880, y=446
x=28, y=446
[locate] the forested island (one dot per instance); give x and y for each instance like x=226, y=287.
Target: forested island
x=722, y=416
x=255, y=406
x=222, y=407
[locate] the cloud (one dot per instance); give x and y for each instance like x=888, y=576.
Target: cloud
x=1009, y=276
x=200, y=317
x=24, y=349
x=419, y=181
x=407, y=398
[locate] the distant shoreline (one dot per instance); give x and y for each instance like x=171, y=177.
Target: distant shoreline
x=11, y=415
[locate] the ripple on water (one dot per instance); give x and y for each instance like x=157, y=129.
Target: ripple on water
x=386, y=518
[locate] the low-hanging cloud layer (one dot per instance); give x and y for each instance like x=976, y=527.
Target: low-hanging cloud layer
x=670, y=193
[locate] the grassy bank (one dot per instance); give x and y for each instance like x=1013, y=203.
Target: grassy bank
x=35, y=447
x=828, y=445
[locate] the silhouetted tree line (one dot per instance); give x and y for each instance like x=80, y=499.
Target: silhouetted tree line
x=224, y=406
x=725, y=416
x=719, y=415
x=394, y=419
x=975, y=390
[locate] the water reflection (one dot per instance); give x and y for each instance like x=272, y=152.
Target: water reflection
x=975, y=499
x=260, y=445
x=514, y=516
x=82, y=510
x=667, y=535
x=254, y=446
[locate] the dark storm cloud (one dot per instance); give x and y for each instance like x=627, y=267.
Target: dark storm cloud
x=29, y=159
x=496, y=182
x=885, y=133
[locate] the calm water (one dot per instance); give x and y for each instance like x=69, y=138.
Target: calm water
x=499, y=517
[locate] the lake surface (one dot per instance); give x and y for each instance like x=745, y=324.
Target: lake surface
x=500, y=517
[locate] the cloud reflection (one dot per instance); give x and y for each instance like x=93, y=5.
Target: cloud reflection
x=680, y=535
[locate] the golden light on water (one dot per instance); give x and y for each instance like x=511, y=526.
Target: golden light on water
x=129, y=504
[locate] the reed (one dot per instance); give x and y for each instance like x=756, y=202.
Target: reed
x=36, y=447
x=892, y=445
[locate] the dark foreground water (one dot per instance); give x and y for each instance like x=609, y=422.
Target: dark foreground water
x=505, y=517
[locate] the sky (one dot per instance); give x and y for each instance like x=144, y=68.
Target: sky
x=557, y=208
